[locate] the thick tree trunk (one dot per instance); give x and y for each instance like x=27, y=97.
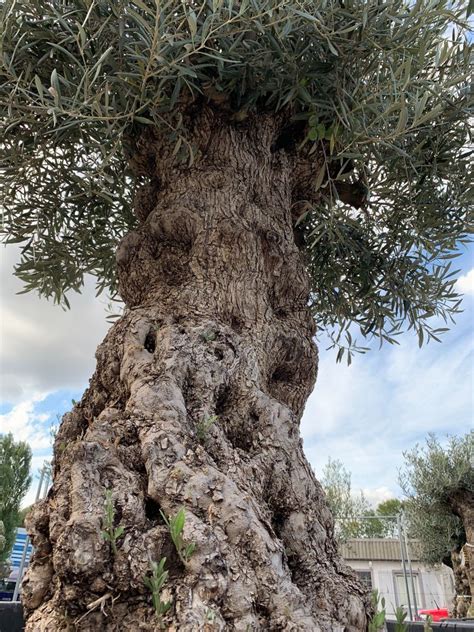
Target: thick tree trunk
x=462, y=503
x=196, y=403
x=462, y=595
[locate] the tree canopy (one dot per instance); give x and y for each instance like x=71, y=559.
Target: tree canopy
x=353, y=514
x=15, y=461
x=431, y=478
x=374, y=96
x=346, y=508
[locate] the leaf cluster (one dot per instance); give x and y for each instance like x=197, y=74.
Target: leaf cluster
x=400, y=616
x=377, y=621
x=204, y=425
x=155, y=584
x=383, y=87
x=2, y=536
x=110, y=532
x=175, y=525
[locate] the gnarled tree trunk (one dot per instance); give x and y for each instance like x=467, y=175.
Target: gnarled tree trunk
x=196, y=403
x=462, y=503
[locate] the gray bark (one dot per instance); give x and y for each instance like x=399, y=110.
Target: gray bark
x=462, y=504
x=216, y=327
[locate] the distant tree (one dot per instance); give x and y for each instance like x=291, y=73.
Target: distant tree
x=15, y=461
x=388, y=510
x=439, y=484
x=354, y=516
x=346, y=508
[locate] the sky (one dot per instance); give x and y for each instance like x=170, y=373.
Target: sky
x=365, y=415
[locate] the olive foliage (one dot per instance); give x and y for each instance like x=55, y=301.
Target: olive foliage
x=383, y=92
x=431, y=475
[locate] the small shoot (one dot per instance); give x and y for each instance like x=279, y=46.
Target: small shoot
x=203, y=427
x=176, y=525
x=155, y=584
x=109, y=532
x=209, y=335
x=378, y=620
x=427, y=626
x=210, y=615
x=400, y=616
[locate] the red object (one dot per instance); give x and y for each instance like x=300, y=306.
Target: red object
x=437, y=615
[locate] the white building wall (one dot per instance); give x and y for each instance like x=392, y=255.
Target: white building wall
x=434, y=587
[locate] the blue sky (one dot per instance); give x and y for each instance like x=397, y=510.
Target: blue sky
x=366, y=415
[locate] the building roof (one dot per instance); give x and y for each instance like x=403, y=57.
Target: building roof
x=377, y=549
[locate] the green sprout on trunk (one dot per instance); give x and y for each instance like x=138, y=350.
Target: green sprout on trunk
x=204, y=426
x=109, y=532
x=155, y=583
x=176, y=525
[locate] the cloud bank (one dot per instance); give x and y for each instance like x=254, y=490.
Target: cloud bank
x=45, y=348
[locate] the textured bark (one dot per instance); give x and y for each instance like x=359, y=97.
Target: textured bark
x=216, y=324
x=462, y=595
x=462, y=503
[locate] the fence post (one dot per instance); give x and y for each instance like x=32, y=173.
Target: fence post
x=400, y=537
x=415, y=605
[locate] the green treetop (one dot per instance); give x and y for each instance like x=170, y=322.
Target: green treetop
x=374, y=96
x=353, y=514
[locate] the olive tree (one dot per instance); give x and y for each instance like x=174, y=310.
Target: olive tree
x=439, y=484
x=241, y=173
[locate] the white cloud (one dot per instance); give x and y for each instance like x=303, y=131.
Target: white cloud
x=372, y=460
x=26, y=424
x=45, y=348
x=377, y=495
x=339, y=388
x=368, y=414
x=465, y=284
